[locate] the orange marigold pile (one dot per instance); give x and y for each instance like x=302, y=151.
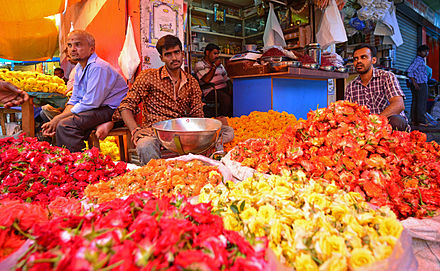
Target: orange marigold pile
x=161, y=177
x=259, y=125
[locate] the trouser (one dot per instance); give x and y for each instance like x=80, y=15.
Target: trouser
x=398, y=123
x=225, y=101
x=420, y=98
x=148, y=147
x=73, y=130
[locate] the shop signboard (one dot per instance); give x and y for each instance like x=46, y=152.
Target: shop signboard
x=421, y=8
x=159, y=18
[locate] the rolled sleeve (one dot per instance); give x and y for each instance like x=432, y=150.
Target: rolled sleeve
x=201, y=69
x=133, y=99
x=393, y=86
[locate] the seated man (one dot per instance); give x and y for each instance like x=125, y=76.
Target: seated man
x=60, y=73
x=165, y=93
x=377, y=89
x=210, y=70
x=97, y=92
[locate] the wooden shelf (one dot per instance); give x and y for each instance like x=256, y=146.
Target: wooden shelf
x=208, y=11
x=254, y=35
x=216, y=34
x=200, y=53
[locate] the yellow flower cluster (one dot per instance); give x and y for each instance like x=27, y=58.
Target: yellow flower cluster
x=259, y=125
x=108, y=146
x=310, y=224
x=33, y=81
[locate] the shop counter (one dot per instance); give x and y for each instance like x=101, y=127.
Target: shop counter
x=296, y=91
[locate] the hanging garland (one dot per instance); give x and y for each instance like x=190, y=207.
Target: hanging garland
x=298, y=11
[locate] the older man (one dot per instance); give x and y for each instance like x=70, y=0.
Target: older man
x=98, y=91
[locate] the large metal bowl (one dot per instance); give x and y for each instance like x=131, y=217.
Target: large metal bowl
x=188, y=135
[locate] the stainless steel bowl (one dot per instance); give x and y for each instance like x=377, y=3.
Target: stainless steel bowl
x=188, y=135
x=312, y=66
x=327, y=68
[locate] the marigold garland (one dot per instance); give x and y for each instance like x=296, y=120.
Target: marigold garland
x=259, y=125
x=161, y=177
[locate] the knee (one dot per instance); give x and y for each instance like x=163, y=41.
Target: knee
x=148, y=148
x=227, y=133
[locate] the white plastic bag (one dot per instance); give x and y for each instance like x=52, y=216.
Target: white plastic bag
x=129, y=58
x=332, y=29
x=273, y=34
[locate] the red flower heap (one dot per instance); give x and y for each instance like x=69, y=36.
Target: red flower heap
x=360, y=152
x=35, y=171
x=146, y=233
x=16, y=221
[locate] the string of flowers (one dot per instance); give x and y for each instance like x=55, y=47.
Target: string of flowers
x=142, y=233
x=359, y=152
x=161, y=177
x=35, y=171
x=310, y=223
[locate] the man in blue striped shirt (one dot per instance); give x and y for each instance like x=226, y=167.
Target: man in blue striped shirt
x=419, y=79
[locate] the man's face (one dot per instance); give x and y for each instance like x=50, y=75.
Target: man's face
x=172, y=57
x=363, y=61
x=78, y=48
x=213, y=55
x=424, y=53
x=59, y=73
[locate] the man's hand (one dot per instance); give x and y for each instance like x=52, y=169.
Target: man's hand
x=217, y=63
x=49, y=128
x=10, y=95
x=137, y=134
x=103, y=129
x=416, y=86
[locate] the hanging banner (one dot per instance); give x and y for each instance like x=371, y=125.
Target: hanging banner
x=158, y=19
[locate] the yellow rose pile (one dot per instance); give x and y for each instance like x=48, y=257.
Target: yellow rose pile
x=310, y=224
x=108, y=146
x=259, y=125
x=34, y=81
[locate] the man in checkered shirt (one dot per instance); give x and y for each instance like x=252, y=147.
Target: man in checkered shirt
x=377, y=89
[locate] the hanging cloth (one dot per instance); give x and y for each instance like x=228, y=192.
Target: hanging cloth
x=273, y=34
x=332, y=28
x=129, y=58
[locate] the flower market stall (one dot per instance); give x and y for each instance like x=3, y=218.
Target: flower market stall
x=337, y=191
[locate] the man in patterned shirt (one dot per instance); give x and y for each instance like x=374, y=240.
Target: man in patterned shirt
x=377, y=89
x=165, y=93
x=419, y=87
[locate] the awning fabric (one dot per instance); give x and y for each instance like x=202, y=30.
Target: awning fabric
x=24, y=10
x=28, y=40
x=25, y=34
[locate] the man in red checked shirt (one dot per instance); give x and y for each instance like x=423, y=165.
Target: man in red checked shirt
x=377, y=89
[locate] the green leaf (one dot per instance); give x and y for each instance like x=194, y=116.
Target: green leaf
x=242, y=205
x=234, y=209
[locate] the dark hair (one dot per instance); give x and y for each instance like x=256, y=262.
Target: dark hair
x=211, y=47
x=58, y=69
x=422, y=48
x=167, y=42
x=371, y=47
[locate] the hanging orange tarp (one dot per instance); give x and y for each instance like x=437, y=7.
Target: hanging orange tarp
x=24, y=10
x=28, y=40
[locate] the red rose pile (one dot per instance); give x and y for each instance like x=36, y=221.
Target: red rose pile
x=142, y=232
x=35, y=171
x=345, y=144
x=16, y=220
